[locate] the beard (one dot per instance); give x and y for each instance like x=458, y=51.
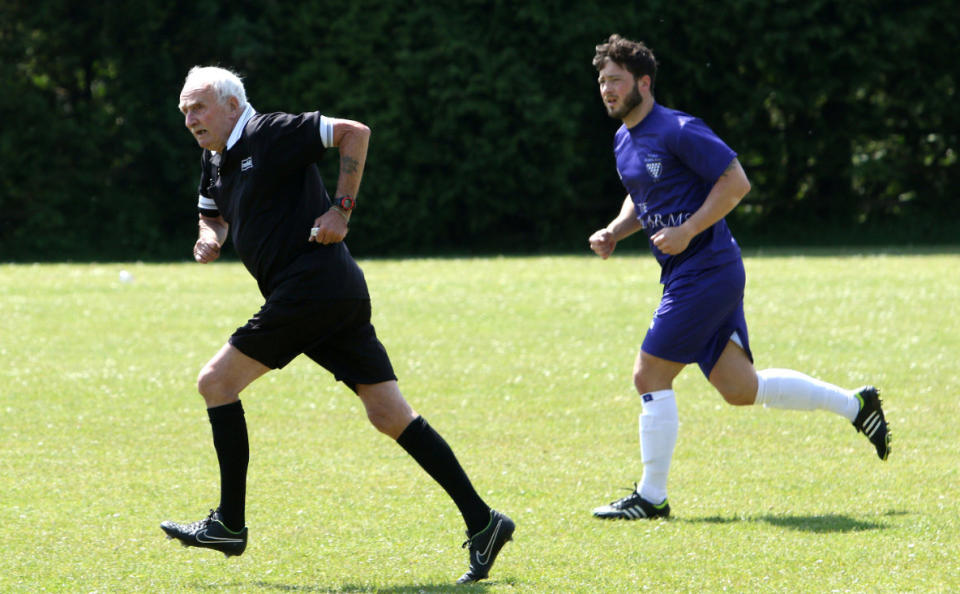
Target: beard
x=629, y=102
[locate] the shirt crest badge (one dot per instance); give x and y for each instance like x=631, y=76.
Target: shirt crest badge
x=246, y=164
x=654, y=168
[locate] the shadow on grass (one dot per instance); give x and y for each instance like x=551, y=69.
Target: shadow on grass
x=818, y=524
x=265, y=586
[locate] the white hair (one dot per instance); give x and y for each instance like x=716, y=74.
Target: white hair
x=224, y=82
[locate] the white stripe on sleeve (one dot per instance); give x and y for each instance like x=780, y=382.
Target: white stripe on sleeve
x=326, y=131
x=205, y=203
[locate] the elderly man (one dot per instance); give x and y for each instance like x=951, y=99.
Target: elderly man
x=260, y=183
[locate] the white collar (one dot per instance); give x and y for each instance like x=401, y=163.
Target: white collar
x=248, y=113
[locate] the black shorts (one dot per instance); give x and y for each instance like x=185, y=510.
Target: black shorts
x=336, y=334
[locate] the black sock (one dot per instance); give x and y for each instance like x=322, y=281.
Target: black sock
x=432, y=453
x=233, y=453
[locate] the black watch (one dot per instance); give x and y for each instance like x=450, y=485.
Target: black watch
x=345, y=203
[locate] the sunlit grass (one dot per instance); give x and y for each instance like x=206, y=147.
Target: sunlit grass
x=523, y=364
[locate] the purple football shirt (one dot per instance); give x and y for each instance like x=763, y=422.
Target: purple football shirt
x=668, y=163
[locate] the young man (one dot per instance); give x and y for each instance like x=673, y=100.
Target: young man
x=260, y=182
x=682, y=180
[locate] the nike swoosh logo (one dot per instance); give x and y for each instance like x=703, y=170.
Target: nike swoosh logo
x=207, y=538
x=484, y=557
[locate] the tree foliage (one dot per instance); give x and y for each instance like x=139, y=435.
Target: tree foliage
x=488, y=132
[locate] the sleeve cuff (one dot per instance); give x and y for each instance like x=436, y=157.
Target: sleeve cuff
x=326, y=131
x=207, y=206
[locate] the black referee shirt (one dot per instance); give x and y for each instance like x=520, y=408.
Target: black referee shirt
x=267, y=187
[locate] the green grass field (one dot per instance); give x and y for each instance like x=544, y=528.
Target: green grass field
x=524, y=365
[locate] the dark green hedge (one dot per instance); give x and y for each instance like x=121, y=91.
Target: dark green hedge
x=488, y=132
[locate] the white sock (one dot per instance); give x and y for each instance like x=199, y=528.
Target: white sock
x=788, y=389
x=658, y=436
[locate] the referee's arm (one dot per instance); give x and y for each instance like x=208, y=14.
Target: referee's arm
x=352, y=139
x=212, y=234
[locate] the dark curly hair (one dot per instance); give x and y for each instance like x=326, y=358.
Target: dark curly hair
x=634, y=56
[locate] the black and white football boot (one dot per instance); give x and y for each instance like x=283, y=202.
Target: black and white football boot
x=633, y=507
x=871, y=422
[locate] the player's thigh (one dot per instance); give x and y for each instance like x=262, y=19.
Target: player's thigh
x=734, y=376
x=652, y=373
x=225, y=375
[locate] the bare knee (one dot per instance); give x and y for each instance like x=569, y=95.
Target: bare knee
x=652, y=374
x=390, y=421
x=386, y=408
x=214, y=388
x=643, y=383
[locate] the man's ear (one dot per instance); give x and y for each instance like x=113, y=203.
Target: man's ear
x=643, y=83
x=234, y=103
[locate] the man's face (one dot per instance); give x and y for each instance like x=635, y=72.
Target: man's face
x=209, y=120
x=618, y=89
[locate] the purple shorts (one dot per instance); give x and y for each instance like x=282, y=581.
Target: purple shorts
x=698, y=315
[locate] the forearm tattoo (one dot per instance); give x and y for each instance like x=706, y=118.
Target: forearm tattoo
x=349, y=164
